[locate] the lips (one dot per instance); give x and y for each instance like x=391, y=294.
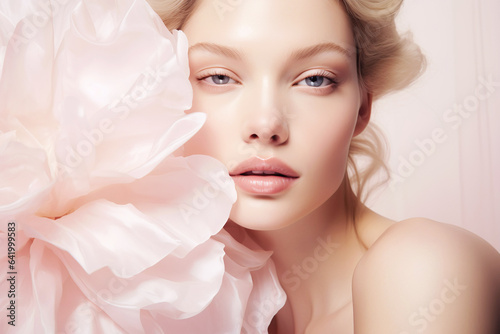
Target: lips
x=263, y=176
x=271, y=166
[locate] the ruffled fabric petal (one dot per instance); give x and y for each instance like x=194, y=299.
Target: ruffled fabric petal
x=115, y=233
x=24, y=176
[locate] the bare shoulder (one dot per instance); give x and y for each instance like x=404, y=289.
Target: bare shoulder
x=426, y=238
x=421, y=275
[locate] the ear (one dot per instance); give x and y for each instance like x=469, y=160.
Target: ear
x=364, y=114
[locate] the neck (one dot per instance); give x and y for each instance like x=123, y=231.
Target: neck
x=315, y=258
x=327, y=224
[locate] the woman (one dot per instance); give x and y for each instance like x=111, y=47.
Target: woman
x=287, y=87
x=106, y=229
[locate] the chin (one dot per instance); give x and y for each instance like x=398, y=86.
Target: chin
x=275, y=212
x=260, y=220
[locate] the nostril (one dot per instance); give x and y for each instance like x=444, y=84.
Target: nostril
x=254, y=136
x=275, y=138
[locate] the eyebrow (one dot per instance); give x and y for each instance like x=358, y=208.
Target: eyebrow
x=319, y=48
x=217, y=49
x=297, y=54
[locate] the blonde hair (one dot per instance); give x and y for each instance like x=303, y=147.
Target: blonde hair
x=387, y=61
x=174, y=13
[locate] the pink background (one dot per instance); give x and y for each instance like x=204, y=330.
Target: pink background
x=453, y=177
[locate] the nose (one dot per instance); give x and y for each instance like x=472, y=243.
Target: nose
x=266, y=123
x=268, y=128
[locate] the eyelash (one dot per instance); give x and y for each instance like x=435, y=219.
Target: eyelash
x=320, y=73
x=214, y=73
x=323, y=74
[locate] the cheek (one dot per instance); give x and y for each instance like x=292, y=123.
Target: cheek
x=334, y=142
x=210, y=139
x=331, y=164
x=328, y=140
x=203, y=142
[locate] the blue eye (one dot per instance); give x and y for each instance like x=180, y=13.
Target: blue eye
x=219, y=79
x=315, y=81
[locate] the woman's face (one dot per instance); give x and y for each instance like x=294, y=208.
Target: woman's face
x=278, y=82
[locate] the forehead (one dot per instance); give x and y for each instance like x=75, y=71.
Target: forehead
x=272, y=24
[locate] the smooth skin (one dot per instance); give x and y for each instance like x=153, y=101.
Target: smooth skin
x=278, y=78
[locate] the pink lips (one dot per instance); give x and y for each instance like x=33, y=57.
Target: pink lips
x=263, y=177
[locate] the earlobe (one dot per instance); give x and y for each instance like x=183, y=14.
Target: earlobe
x=364, y=114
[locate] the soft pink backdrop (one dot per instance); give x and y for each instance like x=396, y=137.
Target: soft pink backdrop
x=457, y=178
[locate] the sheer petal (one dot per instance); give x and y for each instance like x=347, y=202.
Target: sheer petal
x=114, y=232
x=24, y=177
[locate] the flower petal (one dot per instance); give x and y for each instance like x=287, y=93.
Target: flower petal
x=25, y=179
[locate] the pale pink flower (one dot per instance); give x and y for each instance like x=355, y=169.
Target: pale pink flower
x=115, y=231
